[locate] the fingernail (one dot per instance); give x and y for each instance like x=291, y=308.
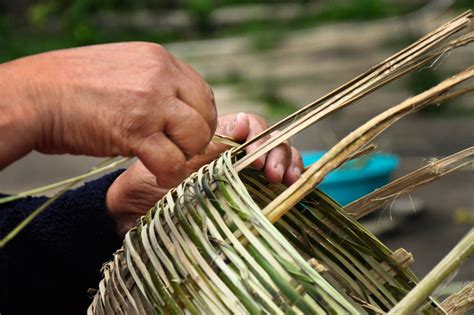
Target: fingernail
x=231, y=126
x=297, y=172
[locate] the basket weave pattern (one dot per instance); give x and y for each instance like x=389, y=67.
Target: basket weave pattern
x=188, y=255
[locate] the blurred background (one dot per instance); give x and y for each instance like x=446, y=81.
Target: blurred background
x=271, y=58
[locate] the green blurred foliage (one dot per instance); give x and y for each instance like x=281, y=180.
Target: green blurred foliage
x=29, y=26
x=38, y=13
x=200, y=11
x=32, y=26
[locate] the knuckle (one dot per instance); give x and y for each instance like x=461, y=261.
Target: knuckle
x=135, y=119
x=177, y=164
x=262, y=122
x=150, y=50
x=142, y=95
x=156, y=50
x=160, y=60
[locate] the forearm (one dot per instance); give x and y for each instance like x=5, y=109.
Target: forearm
x=20, y=112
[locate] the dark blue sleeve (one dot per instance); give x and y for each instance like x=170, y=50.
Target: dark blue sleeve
x=51, y=264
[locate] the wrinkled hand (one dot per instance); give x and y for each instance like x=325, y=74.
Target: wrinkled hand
x=104, y=100
x=135, y=191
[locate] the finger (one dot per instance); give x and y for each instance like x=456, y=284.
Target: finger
x=134, y=191
x=187, y=129
x=293, y=172
x=277, y=162
x=142, y=188
x=234, y=126
x=257, y=125
x=163, y=158
x=237, y=128
x=194, y=91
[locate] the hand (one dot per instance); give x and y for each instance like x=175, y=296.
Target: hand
x=115, y=99
x=135, y=191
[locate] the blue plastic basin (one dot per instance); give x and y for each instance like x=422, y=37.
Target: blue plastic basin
x=355, y=178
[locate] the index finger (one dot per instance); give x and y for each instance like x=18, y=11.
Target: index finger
x=194, y=91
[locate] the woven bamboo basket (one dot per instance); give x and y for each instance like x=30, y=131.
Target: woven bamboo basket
x=225, y=241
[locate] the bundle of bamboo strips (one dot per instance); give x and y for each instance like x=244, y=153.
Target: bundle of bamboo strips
x=460, y=302
x=225, y=241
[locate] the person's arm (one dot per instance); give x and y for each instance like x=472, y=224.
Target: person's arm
x=51, y=264
x=105, y=100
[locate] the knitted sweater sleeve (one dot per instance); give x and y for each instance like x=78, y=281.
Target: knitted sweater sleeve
x=50, y=265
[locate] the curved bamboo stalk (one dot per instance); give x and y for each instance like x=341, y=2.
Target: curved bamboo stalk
x=404, y=185
x=99, y=168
